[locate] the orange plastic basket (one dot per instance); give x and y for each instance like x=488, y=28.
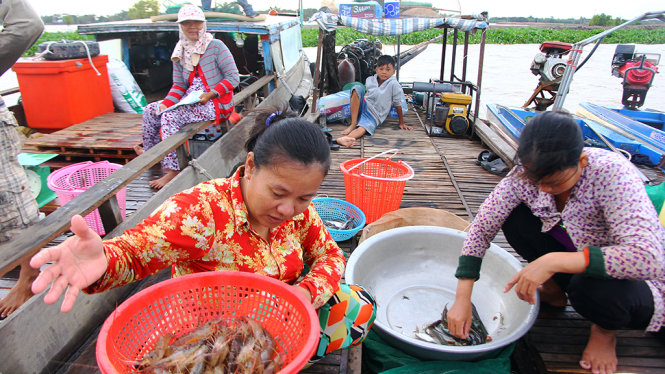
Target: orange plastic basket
x=182, y=304
x=375, y=185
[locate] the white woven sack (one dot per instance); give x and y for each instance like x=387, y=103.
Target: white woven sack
x=126, y=93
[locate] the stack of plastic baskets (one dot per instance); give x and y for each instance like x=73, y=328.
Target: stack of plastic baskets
x=72, y=180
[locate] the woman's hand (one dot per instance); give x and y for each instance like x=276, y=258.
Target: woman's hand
x=160, y=108
x=528, y=280
x=207, y=97
x=459, y=315
x=536, y=273
x=303, y=291
x=77, y=263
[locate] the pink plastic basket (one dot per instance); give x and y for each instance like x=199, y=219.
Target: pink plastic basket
x=72, y=180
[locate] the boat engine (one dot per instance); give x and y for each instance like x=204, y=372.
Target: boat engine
x=550, y=65
x=362, y=54
x=452, y=114
x=637, y=70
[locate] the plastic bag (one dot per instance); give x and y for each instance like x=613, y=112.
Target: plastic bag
x=126, y=93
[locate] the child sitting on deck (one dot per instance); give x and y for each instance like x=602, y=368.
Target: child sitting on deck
x=369, y=109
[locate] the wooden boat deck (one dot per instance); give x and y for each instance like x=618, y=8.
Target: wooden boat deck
x=111, y=136
x=446, y=177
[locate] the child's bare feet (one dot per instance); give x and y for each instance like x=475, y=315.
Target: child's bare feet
x=348, y=130
x=138, y=149
x=347, y=141
x=600, y=356
x=166, y=178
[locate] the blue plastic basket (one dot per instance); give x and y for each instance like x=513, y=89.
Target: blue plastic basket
x=336, y=209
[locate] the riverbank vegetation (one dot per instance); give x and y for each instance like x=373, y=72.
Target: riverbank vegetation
x=529, y=35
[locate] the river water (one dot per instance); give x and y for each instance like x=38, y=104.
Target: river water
x=507, y=80
x=506, y=77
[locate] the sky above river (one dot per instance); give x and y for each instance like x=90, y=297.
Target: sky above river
x=556, y=9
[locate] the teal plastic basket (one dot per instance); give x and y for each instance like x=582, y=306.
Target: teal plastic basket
x=339, y=210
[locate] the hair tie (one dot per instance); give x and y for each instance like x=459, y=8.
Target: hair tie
x=272, y=117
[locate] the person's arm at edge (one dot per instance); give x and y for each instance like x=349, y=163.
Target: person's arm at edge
x=325, y=258
x=22, y=27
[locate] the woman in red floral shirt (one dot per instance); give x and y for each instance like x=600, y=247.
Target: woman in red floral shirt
x=260, y=220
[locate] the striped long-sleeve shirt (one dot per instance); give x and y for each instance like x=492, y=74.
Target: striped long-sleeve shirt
x=219, y=74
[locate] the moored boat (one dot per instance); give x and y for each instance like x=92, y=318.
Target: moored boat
x=626, y=121
x=511, y=121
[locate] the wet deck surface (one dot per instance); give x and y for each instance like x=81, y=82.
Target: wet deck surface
x=446, y=177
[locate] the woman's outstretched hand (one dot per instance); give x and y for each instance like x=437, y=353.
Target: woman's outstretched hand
x=77, y=263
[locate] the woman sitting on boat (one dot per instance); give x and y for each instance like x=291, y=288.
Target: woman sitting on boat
x=260, y=220
x=582, y=219
x=201, y=63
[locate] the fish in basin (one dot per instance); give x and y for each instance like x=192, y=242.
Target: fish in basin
x=438, y=333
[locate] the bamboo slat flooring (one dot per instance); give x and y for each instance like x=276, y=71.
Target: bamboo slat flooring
x=110, y=136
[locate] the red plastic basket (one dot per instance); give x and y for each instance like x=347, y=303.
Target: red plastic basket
x=375, y=185
x=180, y=305
x=70, y=181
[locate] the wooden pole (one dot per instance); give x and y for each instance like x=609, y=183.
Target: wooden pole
x=317, y=72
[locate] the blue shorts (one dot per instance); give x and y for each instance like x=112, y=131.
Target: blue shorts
x=365, y=119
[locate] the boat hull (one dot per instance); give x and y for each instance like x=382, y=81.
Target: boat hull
x=620, y=121
x=512, y=120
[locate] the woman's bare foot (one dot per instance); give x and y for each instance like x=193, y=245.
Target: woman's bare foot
x=21, y=291
x=600, y=356
x=138, y=149
x=552, y=294
x=166, y=178
x=348, y=130
x=347, y=141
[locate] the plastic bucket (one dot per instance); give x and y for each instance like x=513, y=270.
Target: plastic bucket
x=72, y=180
x=375, y=185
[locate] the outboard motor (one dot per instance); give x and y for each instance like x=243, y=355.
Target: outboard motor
x=550, y=65
x=362, y=54
x=637, y=70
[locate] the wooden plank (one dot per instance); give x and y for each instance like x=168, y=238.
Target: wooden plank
x=496, y=143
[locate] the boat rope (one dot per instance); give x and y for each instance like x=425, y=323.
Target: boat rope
x=283, y=80
x=195, y=164
x=87, y=50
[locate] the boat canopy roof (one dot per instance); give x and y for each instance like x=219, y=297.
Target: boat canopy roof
x=272, y=25
x=395, y=26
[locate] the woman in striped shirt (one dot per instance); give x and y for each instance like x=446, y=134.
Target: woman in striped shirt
x=200, y=63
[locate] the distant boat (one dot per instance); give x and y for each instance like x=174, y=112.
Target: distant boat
x=511, y=121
